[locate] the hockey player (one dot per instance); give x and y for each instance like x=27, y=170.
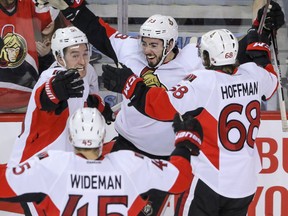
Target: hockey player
x=153, y=61
x=64, y=183
x=158, y=61
x=226, y=99
x=59, y=92
x=157, y=48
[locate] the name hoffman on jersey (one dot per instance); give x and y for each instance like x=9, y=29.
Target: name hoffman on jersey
x=239, y=90
x=96, y=182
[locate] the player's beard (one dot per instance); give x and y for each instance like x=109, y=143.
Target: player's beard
x=152, y=63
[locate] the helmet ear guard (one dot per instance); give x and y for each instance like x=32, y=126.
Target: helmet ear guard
x=221, y=46
x=86, y=128
x=206, y=59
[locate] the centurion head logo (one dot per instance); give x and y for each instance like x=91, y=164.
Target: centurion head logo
x=151, y=79
x=13, y=49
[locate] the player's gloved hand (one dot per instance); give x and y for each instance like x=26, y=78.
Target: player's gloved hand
x=274, y=19
x=258, y=51
x=64, y=85
x=105, y=109
x=188, y=132
x=121, y=80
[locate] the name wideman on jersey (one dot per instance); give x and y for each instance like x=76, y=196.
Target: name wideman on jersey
x=98, y=182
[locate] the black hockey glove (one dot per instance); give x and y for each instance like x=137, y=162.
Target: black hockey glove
x=257, y=50
x=103, y=107
x=121, y=80
x=188, y=132
x=64, y=85
x=274, y=19
x=73, y=9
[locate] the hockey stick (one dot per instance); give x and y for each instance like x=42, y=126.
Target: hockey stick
x=276, y=67
x=280, y=87
x=262, y=21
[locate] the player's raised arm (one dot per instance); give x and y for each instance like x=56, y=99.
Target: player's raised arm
x=123, y=80
x=273, y=21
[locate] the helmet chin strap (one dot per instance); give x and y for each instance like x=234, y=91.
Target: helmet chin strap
x=63, y=59
x=65, y=65
x=164, y=55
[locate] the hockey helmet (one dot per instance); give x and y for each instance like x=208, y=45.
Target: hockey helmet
x=221, y=45
x=161, y=27
x=87, y=129
x=66, y=37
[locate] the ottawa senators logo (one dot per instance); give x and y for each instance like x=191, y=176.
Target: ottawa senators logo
x=13, y=48
x=150, y=79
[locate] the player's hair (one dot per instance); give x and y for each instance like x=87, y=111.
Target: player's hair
x=229, y=69
x=218, y=48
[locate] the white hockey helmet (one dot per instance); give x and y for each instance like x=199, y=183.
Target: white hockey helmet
x=66, y=37
x=87, y=128
x=221, y=45
x=161, y=27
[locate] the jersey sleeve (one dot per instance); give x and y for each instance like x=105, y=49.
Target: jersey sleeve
x=146, y=173
x=28, y=181
x=266, y=76
x=189, y=94
x=6, y=190
x=270, y=81
x=40, y=86
x=97, y=31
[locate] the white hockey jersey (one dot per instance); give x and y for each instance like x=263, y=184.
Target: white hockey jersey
x=142, y=131
x=67, y=184
x=44, y=130
x=137, y=128
x=230, y=116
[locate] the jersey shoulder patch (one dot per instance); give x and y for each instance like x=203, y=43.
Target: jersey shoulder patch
x=190, y=77
x=43, y=155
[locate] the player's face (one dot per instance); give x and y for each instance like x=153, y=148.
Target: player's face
x=153, y=50
x=77, y=57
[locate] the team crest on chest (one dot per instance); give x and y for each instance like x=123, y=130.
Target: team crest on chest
x=151, y=79
x=13, y=48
